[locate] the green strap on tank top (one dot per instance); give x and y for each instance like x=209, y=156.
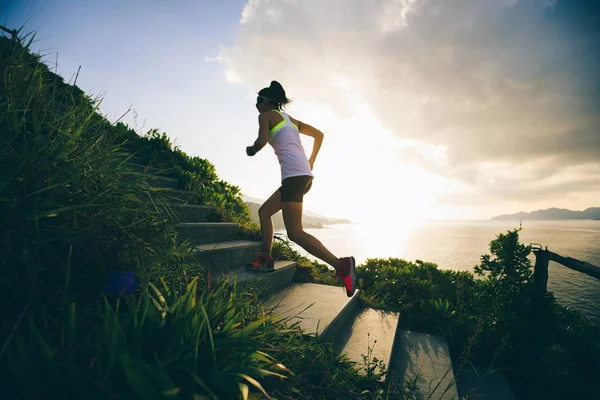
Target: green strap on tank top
x=281, y=124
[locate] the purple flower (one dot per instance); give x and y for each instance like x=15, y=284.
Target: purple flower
x=120, y=285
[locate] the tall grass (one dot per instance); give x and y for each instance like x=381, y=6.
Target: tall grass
x=69, y=211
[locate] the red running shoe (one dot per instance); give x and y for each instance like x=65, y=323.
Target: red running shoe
x=346, y=272
x=261, y=264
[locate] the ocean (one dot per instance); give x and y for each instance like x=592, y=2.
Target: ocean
x=458, y=245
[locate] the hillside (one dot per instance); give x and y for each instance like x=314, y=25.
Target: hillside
x=552, y=214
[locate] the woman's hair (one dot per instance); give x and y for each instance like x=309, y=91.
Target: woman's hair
x=275, y=94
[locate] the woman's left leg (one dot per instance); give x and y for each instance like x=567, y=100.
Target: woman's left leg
x=264, y=262
x=292, y=217
x=292, y=192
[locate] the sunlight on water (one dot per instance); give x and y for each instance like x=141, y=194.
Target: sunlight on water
x=458, y=245
x=378, y=239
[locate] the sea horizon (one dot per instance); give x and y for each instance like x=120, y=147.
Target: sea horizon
x=459, y=244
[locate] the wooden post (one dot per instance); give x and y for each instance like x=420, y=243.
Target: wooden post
x=540, y=271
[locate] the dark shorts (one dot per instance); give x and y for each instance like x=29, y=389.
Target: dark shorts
x=294, y=188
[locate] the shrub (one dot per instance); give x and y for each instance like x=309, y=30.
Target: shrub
x=547, y=352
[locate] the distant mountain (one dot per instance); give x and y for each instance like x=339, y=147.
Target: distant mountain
x=249, y=199
x=310, y=220
x=552, y=214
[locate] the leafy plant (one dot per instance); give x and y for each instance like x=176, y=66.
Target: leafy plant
x=197, y=343
x=374, y=367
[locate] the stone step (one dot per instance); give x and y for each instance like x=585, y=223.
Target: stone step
x=208, y=232
x=194, y=212
x=266, y=283
x=319, y=309
x=226, y=255
x=175, y=195
x=360, y=333
x=476, y=381
x=161, y=181
x=146, y=169
x=130, y=158
x=156, y=181
x=155, y=176
x=426, y=359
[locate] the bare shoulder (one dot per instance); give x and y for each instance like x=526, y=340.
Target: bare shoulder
x=270, y=118
x=296, y=122
x=267, y=116
x=307, y=129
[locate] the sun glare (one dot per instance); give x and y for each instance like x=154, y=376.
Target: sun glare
x=377, y=184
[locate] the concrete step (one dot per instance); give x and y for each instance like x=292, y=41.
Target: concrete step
x=227, y=255
x=147, y=169
x=266, y=283
x=426, y=359
x=319, y=309
x=132, y=158
x=476, y=381
x=360, y=333
x=194, y=212
x=208, y=232
x=156, y=181
x=161, y=181
x=176, y=195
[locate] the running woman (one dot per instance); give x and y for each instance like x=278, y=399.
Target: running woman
x=282, y=132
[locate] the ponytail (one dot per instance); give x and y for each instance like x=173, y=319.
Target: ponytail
x=276, y=94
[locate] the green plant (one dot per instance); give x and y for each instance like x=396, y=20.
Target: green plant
x=161, y=343
x=374, y=368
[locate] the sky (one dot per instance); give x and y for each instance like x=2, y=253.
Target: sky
x=431, y=109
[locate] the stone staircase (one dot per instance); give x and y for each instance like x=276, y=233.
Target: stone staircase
x=320, y=310
x=218, y=246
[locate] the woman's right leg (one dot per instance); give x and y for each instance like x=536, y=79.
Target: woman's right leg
x=270, y=207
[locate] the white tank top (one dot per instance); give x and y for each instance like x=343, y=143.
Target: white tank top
x=285, y=140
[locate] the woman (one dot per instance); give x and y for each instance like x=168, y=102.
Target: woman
x=282, y=132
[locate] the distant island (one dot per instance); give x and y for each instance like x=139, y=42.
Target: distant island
x=553, y=214
x=310, y=220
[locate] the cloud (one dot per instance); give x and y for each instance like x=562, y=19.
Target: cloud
x=501, y=84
